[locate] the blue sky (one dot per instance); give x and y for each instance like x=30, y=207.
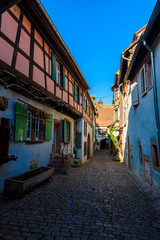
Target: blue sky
x=96, y=32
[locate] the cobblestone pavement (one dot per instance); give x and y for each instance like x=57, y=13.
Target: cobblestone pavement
x=99, y=200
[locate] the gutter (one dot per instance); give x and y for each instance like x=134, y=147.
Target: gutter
x=155, y=94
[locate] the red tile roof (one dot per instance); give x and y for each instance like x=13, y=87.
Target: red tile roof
x=105, y=115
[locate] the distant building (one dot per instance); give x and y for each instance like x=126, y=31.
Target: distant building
x=105, y=116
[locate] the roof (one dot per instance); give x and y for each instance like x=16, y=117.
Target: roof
x=128, y=53
x=150, y=36
x=105, y=116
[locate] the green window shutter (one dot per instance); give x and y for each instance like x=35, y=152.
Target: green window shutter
x=74, y=91
x=53, y=66
x=64, y=81
x=62, y=130
x=79, y=97
x=48, y=128
x=70, y=137
x=20, y=122
x=65, y=130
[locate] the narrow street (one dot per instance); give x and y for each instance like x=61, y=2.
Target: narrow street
x=99, y=200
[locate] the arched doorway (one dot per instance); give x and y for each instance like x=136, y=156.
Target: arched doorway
x=104, y=143
x=88, y=146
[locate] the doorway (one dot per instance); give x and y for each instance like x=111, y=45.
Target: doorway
x=57, y=136
x=104, y=144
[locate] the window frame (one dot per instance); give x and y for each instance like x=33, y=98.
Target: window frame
x=140, y=153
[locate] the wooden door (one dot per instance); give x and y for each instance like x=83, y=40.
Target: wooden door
x=147, y=170
x=57, y=136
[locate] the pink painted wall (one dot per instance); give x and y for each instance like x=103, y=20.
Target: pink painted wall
x=38, y=76
x=24, y=42
x=16, y=11
x=50, y=85
x=58, y=92
x=71, y=100
x=26, y=23
x=38, y=55
x=65, y=96
x=38, y=37
x=46, y=47
x=70, y=88
x=80, y=109
x=6, y=48
x=9, y=26
x=48, y=66
x=22, y=64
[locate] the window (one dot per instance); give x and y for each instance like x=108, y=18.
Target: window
x=155, y=155
x=140, y=153
x=85, y=149
x=35, y=127
x=66, y=131
x=116, y=115
x=143, y=74
x=58, y=73
x=31, y=124
x=77, y=95
x=85, y=104
x=85, y=128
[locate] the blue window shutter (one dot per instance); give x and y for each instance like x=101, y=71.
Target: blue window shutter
x=62, y=130
x=64, y=81
x=53, y=66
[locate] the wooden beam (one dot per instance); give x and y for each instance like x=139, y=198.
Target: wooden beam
x=6, y=4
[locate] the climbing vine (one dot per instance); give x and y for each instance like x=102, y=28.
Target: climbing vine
x=114, y=140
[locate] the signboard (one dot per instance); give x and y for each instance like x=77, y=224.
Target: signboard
x=116, y=133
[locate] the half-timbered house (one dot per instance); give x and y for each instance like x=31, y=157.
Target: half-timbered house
x=45, y=106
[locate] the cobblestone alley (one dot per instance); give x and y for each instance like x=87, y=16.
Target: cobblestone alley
x=99, y=200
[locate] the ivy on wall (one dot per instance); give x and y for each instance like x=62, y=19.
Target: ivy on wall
x=114, y=140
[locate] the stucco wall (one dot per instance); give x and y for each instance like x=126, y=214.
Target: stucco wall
x=141, y=126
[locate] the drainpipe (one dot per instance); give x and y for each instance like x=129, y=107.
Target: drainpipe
x=154, y=91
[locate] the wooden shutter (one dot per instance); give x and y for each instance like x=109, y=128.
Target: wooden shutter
x=134, y=94
x=149, y=78
x=65, y=123
x=48, y=128
x=20, y=122
x=62, y=130
x=75, y=91
x=53, y=66
x=64, y=81
x=143, y=80
x=70, y=135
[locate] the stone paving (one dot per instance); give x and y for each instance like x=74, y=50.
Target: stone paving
x=99, y=200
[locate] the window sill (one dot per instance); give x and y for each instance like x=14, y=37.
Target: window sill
x=33, y=141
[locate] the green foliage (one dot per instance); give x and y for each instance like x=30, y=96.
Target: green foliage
x=114, y=140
